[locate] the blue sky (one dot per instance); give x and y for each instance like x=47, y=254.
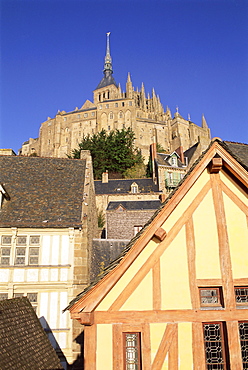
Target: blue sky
x=193, y=52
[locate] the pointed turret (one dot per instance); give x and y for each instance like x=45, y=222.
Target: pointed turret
x=129, y=87
x=108, y=79
x=204, y=122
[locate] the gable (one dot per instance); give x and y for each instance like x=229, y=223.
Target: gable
x=197, y=220
x=87, y=105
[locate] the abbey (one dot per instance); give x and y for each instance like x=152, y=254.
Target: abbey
x=114, y=109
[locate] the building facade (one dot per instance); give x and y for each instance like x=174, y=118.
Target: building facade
x=113, y=109
x=47, y=222
x=177, y=296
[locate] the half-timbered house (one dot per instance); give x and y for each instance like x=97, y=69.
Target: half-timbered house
x=177, y=297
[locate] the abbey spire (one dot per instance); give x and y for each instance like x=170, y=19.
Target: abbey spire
x=108, y=79
x=108, y=60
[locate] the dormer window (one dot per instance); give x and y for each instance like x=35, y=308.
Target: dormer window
x=173, y=161
x=3, y=195
x=134, y=188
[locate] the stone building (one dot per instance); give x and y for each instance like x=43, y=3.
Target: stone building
x=47, y=222
x=113, y=109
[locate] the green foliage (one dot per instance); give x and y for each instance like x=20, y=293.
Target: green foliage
x=100, y=219
x=114, y=152
x=160, y=149
x=136, y=172
x=149, y=167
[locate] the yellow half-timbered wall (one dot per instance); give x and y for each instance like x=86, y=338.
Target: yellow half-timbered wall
x=206, y=246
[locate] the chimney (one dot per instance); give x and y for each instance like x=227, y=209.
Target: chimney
x=153, y=151
x=105, y=177
x=179, y=151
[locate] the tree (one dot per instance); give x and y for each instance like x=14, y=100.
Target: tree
x=114, y=152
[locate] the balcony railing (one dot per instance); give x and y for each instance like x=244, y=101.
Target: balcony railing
x=172, y=183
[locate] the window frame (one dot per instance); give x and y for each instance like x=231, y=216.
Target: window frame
x=243, y=340
x=224, y=345
x=240, y=304
x=218, y=304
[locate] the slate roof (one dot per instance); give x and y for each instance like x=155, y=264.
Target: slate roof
x=237, y=147
x=44, y=192
x=163, y=160
x=190, y=152
x=123, y=186
x=135, y=205
x=106, y=81
x=24, y=344
x=239, y=151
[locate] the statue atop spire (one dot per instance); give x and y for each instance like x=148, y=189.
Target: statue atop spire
x=108, y=79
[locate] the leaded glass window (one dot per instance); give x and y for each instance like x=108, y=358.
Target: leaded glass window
x=241, y=294
x=243, y=334
x=210, y=296
x=21, y=240
x=34, y=240
x=214, y=346
x=20, y=256
x=6, y=239
x=33, y=256
x=132, y=351
x=5, y=256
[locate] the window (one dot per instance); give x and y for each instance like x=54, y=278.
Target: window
x=5, y=256
x=21, y=240
x=132, y=351
x=130, y=104
x=111, y=115
x=107, y=106
x=214, y=340
x=243, y=335
x=33, y=256
x=65, y=119
x=21, y=252
x=3, y=296
x=34, y=240
x=78, y=115
x=173, y=161
x=32, y=297
x=116, y=105
x=93, y=114
x=6, y=239
x=210, y=297
x=123, y=104
x=120, y=114
x=85, y=115
x=20, y=256
x=241, y=294
x=134, y=188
